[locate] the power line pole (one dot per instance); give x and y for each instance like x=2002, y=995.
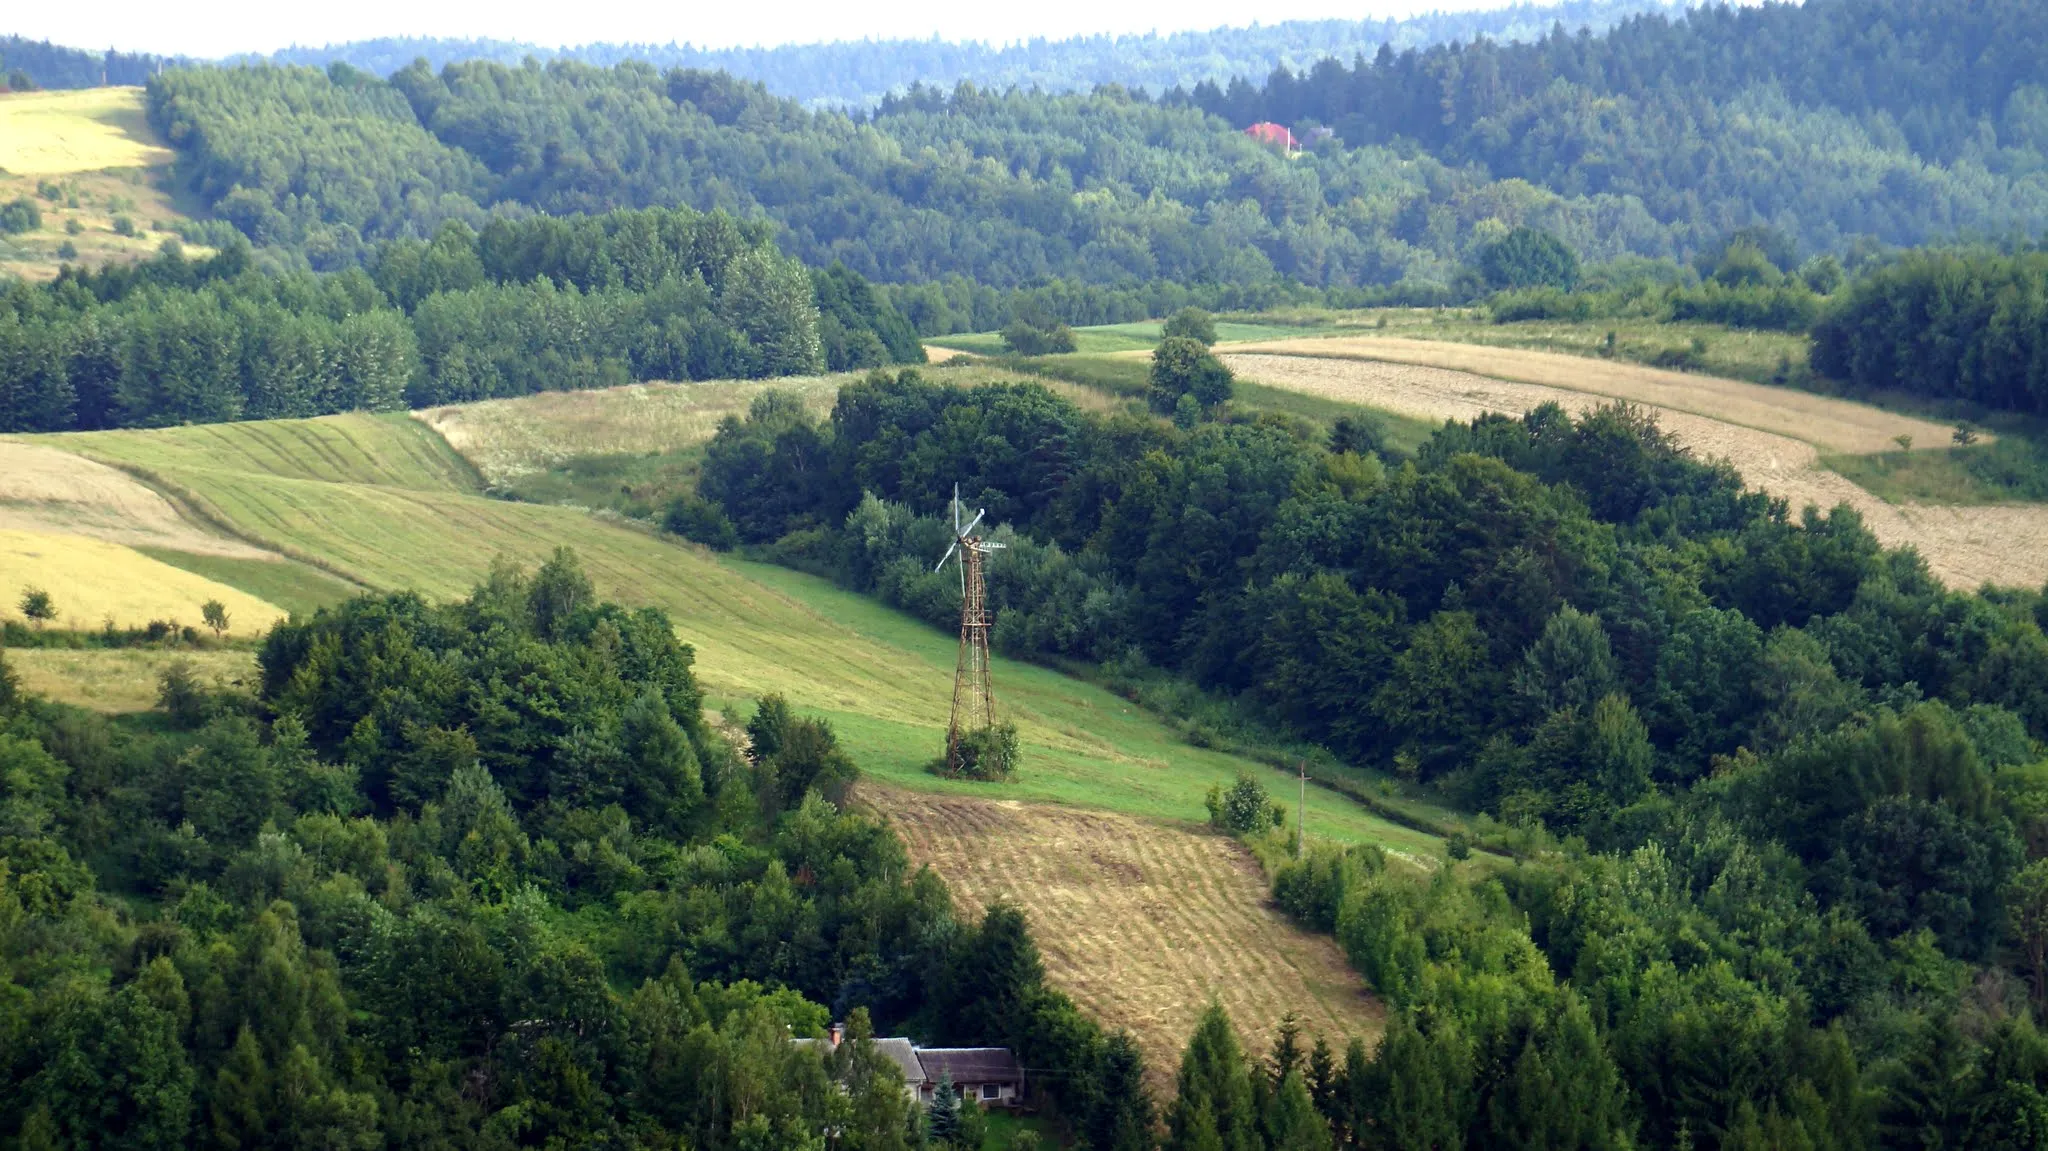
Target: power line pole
x=1301, y=809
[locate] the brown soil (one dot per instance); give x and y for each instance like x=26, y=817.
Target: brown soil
x=1142, y=923
x=1964, y=546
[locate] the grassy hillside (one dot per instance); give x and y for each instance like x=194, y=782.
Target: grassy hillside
x=89, y=160
x=883, y=679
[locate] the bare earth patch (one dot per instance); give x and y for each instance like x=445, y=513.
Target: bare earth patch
x=1964, y=546
x=1142, y=923
x=43, y=489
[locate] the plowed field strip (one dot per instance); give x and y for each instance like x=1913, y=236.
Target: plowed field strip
x=1142, y=923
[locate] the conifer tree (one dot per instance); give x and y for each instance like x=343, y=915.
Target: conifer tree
x=942, y=1118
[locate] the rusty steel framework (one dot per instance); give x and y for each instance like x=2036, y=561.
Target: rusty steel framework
x=974, y=704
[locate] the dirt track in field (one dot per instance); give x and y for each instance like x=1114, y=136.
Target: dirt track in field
x=1141, y=923
x=43, y=489
x=1964, y=546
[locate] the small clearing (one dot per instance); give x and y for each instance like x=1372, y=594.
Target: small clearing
x=43, y=489
x=1141, y=922
x=1965, y=547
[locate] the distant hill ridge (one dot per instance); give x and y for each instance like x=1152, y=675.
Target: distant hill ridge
x=853, y=74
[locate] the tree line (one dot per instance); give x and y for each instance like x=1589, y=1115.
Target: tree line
x=521, y=306
x=859, y=74
x=479, y=874
x=1800, y=780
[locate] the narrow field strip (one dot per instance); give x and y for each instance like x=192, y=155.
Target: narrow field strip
x=1831, y=424
x=1142, y=923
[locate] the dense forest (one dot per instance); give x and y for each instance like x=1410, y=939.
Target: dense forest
x=1805, y=902
x=1658, y=139
x=478, y=875
x=858, y=74
x=1903, y=120
x=539, y=304
x=1003, y=189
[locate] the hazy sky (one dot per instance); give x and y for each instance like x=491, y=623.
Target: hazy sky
x=222, y=27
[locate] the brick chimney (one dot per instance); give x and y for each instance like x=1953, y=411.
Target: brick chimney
x=838, y=1032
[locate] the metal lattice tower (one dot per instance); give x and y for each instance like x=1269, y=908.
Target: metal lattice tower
x=974, y=705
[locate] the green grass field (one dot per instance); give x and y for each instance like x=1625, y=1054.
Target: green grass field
x=2014, y=468
x=294, y=587
x=882, y=678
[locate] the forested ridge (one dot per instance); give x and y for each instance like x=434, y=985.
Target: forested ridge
x=537, y=304
x=1802, y=901
x=1842, y=123
x=479, y=875
x=1902, y=120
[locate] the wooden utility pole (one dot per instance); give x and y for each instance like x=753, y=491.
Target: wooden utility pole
x=1301, y=809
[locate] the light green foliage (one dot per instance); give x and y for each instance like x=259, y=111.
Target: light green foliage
x=1244, y=809
x=1192, y=324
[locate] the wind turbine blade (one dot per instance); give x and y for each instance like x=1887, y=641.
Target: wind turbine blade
x=972, y=522
x=949, y=555
x=991, y=546
x=956, y=509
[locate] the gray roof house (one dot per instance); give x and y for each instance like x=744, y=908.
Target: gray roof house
x=991, y=1076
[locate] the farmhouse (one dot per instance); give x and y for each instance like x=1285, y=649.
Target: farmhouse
x=1267, y=132
x=990, y=1076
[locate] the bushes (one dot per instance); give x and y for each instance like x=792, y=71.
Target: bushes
x=987, y=754
x=1244, y=809
x=1028, y=339
x=20, y=215
x=1949, y=325
x=1788, y=306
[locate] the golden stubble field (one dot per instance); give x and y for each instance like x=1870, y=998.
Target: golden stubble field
x=1142, y=923
x=1773, y=436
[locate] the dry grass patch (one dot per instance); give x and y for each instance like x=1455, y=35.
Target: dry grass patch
x=1966, y=547
x=79, y=130
x=119, y=681
x=93, y=581
x=43, y=489
x=1141, y=922
x=509, y=438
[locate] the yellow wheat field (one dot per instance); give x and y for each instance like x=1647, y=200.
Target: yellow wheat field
x=92, y=581
x=81, y=130
x=1141, y=923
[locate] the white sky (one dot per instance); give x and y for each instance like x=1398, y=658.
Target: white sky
x=223, y=27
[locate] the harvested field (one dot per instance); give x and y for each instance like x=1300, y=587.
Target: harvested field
x=119, y=680
x=1828, y=423
x=92, y=581
x=354, y=448
x=1141, y=922
x=1964, y=546
x=43, y=489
